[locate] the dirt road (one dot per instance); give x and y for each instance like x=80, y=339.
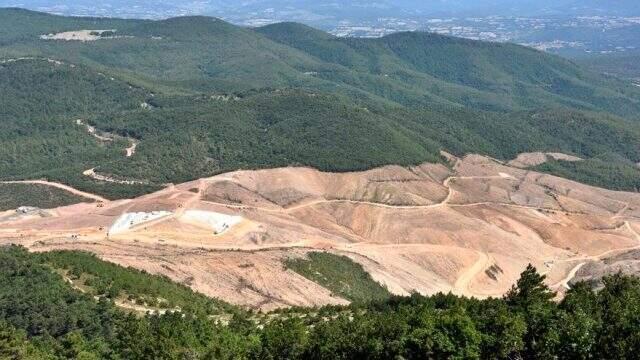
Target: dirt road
x=131, y=150
x=444, y=202
x=60, y=186
x=565, y=282
x=464, y=280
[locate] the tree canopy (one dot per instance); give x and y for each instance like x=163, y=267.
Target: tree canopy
x=42, y=316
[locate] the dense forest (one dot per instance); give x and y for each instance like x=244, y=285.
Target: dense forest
x=182, y=137
x=599, y=171
x=623, y=65
x=13, y=196
x=201, y=97
x=341, y=275
x=44, y=316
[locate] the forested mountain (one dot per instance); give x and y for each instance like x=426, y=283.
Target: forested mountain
x=201, y=96
x=625, y=65
x=206, y=54
x=120, y=108
x=415, y=68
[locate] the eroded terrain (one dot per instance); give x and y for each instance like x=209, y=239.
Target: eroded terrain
x=469, y=228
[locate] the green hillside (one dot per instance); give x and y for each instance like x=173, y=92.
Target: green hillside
x=49, y=310
x=418, y=67
x=202, y=96
x=341, y=275
x=13, y=196
x=39, y=135
x=623, y=65
x=180, y=54
x=20, y=25
x=207, y=54
x=296, y=127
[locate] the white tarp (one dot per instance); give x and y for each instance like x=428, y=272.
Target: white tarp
x=218, y=222
x=129, y=220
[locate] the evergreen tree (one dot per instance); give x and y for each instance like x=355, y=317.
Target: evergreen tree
x=619, y=301
x=533, y=299
x=14, y=345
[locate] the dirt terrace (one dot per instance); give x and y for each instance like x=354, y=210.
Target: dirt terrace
x=469, y=228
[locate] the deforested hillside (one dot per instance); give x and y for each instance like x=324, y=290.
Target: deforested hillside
x=112, y=314
x=190, y=189
x=122, y=107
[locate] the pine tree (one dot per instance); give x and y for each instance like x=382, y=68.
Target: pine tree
x=533, y=299
x=529, y=290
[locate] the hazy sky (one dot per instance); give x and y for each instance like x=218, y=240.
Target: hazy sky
x=331, y=8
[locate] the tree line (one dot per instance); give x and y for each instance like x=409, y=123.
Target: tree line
x=44, y=317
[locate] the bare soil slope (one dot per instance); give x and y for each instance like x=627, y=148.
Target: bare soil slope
x=470, y=229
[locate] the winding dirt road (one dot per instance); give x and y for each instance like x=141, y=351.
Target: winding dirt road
x=128, y=152
x=565, y=282
x=572, y=274
x=444, y=202
x=61, y=187
x=464, y=280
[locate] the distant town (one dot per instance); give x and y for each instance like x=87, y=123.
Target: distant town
x=579, y=34
x=547, y=34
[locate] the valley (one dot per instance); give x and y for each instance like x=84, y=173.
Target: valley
x=255, y=147
x=187, y=188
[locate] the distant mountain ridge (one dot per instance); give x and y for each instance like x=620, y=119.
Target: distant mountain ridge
x=317, y=12
x=204, y=96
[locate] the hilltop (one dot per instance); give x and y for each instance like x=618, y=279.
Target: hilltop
x=208, y=54
x=422, y=67
x=199, y=96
